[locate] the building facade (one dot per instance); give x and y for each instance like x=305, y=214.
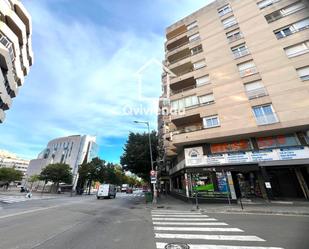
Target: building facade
x=16, y=54
x=234, y=112
x=73, y=150
x=10, y=160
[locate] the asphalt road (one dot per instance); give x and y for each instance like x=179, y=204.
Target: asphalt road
x=126, y=223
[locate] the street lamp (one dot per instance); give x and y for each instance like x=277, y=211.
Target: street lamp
x=151, y=160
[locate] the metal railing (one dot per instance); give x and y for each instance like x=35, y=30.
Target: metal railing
x=256, y=93
x=187, y=130
x=248, y=71
x=179, y=59
x=241, y=53
x=182, y=44
x=182, y=90
x=267, y=119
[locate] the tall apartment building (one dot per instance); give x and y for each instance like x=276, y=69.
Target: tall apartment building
x=16, y=54
x=234, y=112
x=73, y=150
x=10, y=160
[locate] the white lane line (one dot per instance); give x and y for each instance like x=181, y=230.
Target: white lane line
x=161, y=245
x=183, y=215
x=178, y=213
x=199, y=229
x=207, y=237
x=173, y=212
x=185, y=219
x=191, y=223
x=29, y=211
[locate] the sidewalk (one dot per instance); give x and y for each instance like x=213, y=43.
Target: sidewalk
x=274, y=207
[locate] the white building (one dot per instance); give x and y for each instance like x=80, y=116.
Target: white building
x=16, y=54
x=10, y=160
x=73, y=150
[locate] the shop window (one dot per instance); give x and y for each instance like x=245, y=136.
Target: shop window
x=241, y=145
x=277, y=141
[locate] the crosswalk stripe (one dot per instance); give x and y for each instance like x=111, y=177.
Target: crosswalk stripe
x=161, y=245
x=207, y=237
x=191, y=223
x=199, y=229
x=184, y=219
x=179, y=215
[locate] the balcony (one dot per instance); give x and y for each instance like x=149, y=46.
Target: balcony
x=173, y=92
x=177, y=44
x=183, y=69
x=179, y=56
x=266, y=119
x=188, y=129
x=240, y=53
x=256, y=93
x=176, y=32
x=8, y=44
x=248, y=71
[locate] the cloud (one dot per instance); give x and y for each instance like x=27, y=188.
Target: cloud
x=84, y=77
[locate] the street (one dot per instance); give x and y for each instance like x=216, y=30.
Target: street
x=126, y=222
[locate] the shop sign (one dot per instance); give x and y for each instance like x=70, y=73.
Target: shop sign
x=293, y=153
x=215, y=159
x=194, y=156
x=264, y=155
x=241, y=157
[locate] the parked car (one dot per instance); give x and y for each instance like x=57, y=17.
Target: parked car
x=106, y=191
x=124, y=187
x=129, y=190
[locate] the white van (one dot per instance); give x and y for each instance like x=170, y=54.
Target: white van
x=106, y=191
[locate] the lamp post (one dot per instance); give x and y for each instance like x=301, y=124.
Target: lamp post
x=154, y=201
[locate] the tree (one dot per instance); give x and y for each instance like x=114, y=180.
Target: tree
x=56, y=173
x=32, y=179
x=10, y=175
x=136, y=155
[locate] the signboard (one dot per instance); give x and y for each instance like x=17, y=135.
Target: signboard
x=215, y=159
x=241, y=157
x=267, y=185
x=264, y=155
x=293, y=153
x=194, y=155
x=153, y=180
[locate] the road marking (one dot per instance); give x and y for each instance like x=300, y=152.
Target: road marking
x=161, y=245
x=185, y=219
x=191, y=223
x=176, y=215
x=174, y=211
x=29, y=211
x=207, y=237
x=199, y=229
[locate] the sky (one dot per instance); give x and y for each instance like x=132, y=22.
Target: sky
x=90, y=60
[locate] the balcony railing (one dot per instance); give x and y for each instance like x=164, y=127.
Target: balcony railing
x=248, y=71
x=235, y=37
x=241, y=53
x=179, y=59
x=266, y=119
x=256, y=93
x=182, y=90
x=8, y=44
x=182, y=44
x=188, y=129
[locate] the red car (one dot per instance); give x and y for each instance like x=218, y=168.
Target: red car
x=129, y=190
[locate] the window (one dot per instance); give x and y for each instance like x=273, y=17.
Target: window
x=293, y=28
x=297, y=49
x=202, y=80
x=192, y=25
x=303, y=73
x=285, y=11
x=224, y=10
x=196, y=50
x=212, y=121
x=247, y=68
x=263, y=4
x=206, y=99
x=180, y=104
x=255, y=89
x=235, y=146
x=229, y=22
x=234, y=35
x=264, y=115
x=277, y=141
x=199, y=64
x=8, y=44
x=194, y=37
x=240, y=50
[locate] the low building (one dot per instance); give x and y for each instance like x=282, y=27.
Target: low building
x=10, y=160
x=73, y=150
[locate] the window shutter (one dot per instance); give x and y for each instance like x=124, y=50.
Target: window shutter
x=301, y=24
x=302, y=72
x=293, y=8
x=246, y=65
x=294, y=50
x=253, y=86
x=202, y=80
x=206, y=98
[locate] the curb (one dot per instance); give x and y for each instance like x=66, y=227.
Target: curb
x=257, y=212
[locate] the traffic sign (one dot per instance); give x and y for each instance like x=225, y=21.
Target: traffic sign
x=153, y=179
x=153, y=173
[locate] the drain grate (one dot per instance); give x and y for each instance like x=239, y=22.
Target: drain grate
x=176, y=245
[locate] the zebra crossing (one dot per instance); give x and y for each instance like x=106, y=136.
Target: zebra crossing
x=200, y=231
x=16, y=199
x=129, y=196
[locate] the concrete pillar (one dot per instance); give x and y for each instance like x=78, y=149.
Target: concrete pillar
x=186, y=183
x=302, y=182
x=231, y=185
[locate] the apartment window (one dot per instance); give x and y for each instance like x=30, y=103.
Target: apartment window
x=224, y=10
x=247, y=68
x=240, y=50
x=212, y=121
x=192, y=25
x=8, y=44
x=263, y=4
x=191, y=101
x=229, y=22
x=297, y=49
x=199, y=64
x=285, y=11
x=255, y=89
x=277, y=141
x=234, y=35
x=202, y=80
x=303, y=73
x=180, y=104
x=293, y=28
x=194, y=37
x=264, y=114
x=206, y=99
x=196, y=50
